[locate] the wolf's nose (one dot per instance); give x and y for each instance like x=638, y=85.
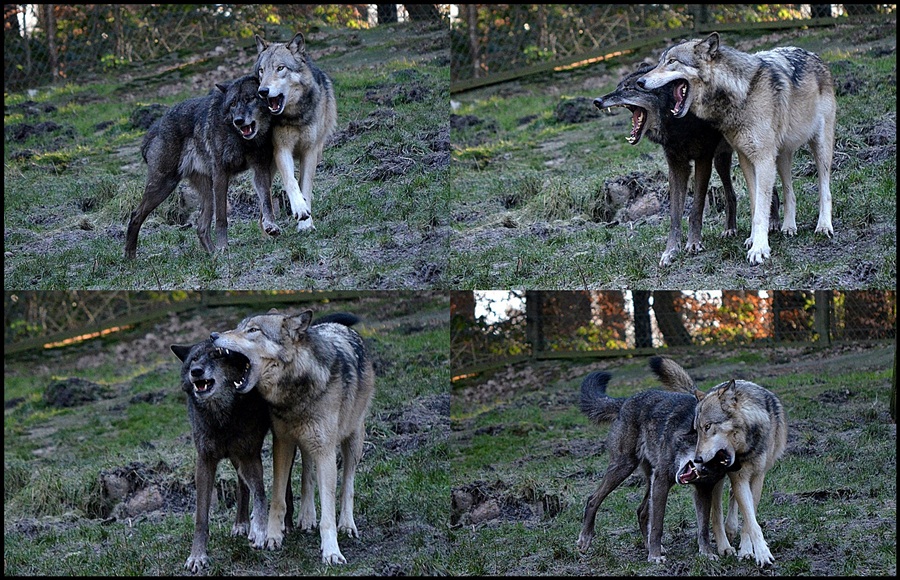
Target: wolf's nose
x=641, y=82
x=598, y=102
x=214, y=335
x=264, y=93
x=197, y=372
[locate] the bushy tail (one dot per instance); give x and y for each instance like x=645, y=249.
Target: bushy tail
x=595, y=403
x=338, y=318
x=672, y=376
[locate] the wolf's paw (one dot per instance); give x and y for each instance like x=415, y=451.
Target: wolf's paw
x=656, y=559
x=825, y=228
x=333, y=557
x=668, y=257
x=758, y=255
x=240, y=529
x=729, y=233
x=584, y=542
x=349, y=529
x=726, y=549
x=694, y=247
x=270, y=228
x=710, y=554
x=307, y=524
x=306, y=225
x=274, y=541
x=787, y=230
x=257, y=538
x=196, y=562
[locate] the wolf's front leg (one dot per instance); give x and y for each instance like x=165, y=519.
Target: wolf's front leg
x=326, y=470
x=307, y=518
x=284, y=159
x=282, y=458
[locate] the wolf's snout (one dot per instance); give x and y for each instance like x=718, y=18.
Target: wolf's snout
x=598, y=102
x=214, y=335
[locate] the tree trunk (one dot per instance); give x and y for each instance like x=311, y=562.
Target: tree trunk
x=669, y=319
x=643, y=331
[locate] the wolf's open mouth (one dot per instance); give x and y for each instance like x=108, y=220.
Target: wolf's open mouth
x=234, y=358
x=681, y=89
x=688, y=473
x=638, y=119
x=203, y=385
x=248, y=131
x=276, y=104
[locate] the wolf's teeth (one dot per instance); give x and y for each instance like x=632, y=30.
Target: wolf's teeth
x=237, y=384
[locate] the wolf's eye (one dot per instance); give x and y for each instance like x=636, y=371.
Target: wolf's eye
x=280, y=68
x=706, y=427
x=253, y=329
x=670, y=61
x=259, y=72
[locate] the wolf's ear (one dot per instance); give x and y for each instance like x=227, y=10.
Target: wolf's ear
x=711, y=45
x=297, y=325
x=699, y=394
x=272, y=311
x=728, y=392
x=297, y=44
x=261, y=44
x=181, y=351
x=221, y=87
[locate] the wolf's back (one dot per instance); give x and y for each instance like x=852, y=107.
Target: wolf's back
x=595, y=403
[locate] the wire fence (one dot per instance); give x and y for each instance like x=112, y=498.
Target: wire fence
x=53, y=43
x=496, y=42
x=491, y=329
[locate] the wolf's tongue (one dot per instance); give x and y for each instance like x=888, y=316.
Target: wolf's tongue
x=635, y=121
x=679, y=97
x=247, y=129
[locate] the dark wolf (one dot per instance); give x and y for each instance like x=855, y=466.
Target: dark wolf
x=319, y=382
x=224, y=424
x=742, y=427
x=300, y=96
x=208, y=140
x=652, y=430
x=683, y=139
x=767, y=105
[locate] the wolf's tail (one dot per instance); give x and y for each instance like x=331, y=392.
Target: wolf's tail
x=595, y=403
x=344, y=318
x=672, y=376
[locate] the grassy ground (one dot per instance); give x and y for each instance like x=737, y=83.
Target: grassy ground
x=534, y=166
x=57, y=521
x=524, y=460
x=379, y=197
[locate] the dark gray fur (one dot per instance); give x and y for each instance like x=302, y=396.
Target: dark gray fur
x=224, y=424
x=683, y=140
x=652, y=430
x=201, y=140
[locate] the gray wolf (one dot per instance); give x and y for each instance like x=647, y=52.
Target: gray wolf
x=743, y=427
x=683, y=139
x=767, y=105
x=300, y=96
x=224, y=424
x=652, y=430
x=319, y=381
x=208, y=140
